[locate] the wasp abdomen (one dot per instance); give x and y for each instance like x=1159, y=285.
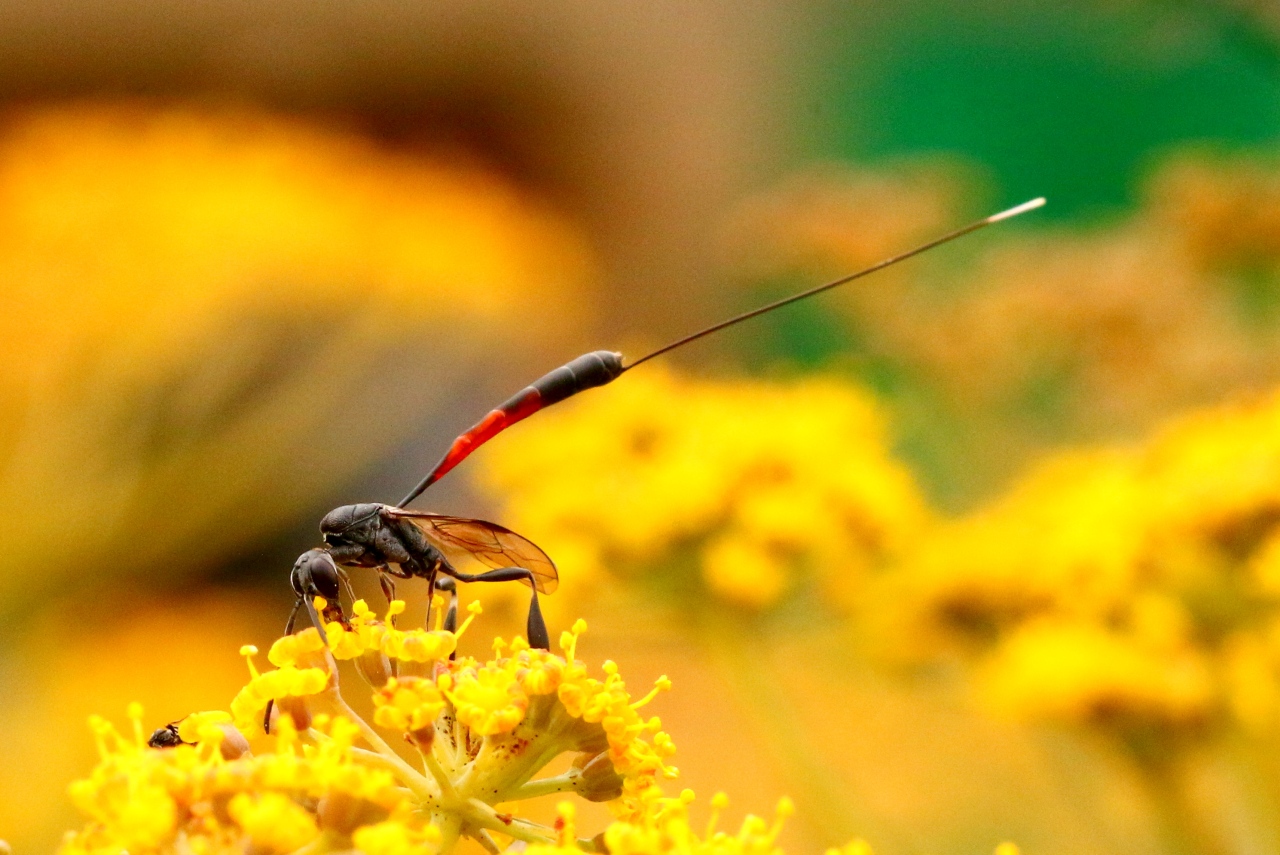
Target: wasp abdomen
x=585, y=372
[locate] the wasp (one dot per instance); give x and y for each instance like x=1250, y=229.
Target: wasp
x=400, y=543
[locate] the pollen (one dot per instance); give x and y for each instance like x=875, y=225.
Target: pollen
x=286, y=682
x=489, y=701
x=407, y=704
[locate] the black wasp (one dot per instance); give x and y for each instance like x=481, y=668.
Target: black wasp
x=403, y=544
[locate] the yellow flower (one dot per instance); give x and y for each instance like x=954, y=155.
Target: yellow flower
x=272, y=821
x=743, y=571
x=286, y=682
x=488, y=700
x=136, y=242
x=408, y=704
x=483, y=730
x=662, y=825
x=765, y=482
x=1082, y=672
x=394, y=838
x=1129, y=588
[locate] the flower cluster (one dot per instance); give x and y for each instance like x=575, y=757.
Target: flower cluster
x=481, y=732
x=758, y=482
x=189, y=288
x=1131, y=587
x=211, y=794
x=663, y=825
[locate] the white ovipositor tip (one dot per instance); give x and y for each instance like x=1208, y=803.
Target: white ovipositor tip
x=1016, y=210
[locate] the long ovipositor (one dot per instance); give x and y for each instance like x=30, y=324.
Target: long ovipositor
x=586, y=372
x=604, y=366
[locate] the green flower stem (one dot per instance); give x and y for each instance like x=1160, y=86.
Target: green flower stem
x=411, y=778
x=450, y=826
x=447, y=792
x=486, y=841
x=484, y=816
x=565, y=783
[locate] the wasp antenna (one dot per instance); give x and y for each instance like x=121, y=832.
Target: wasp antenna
x=604, y=366
x=1016, y=210
x=888, y=262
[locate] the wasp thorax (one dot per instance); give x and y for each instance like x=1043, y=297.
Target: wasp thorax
x=339, y=520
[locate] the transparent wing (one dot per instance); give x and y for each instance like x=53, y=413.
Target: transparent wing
x=489, y=543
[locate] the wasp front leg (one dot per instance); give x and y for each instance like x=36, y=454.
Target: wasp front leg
x=388, y=590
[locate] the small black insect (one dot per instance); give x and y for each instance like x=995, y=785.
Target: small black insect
x=167, y=736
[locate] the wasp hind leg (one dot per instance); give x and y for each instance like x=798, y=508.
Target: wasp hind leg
x=450, y=587
x=536, y=626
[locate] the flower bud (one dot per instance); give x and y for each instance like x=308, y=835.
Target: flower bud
x=233, y=745
x=375, y=667
x=296, y=708
x=344, y=813
x=422, y=737
x=597, y=780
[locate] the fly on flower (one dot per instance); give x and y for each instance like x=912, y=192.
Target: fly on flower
x=404, y=544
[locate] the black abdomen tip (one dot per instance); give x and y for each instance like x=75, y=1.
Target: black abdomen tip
x=586, y=372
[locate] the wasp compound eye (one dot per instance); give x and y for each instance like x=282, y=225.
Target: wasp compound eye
x=316, y=574
x=324, y=574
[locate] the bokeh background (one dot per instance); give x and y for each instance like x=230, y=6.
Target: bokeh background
x=984, y=548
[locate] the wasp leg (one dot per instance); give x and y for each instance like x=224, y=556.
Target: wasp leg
x=431, y=597
x=450, y=587
x=446, y=584
x=536, y=627
x=346, y=584
x=388, y=591
x=288, y=630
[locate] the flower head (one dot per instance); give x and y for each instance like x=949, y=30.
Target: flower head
x=795, y=480
x=482, y=731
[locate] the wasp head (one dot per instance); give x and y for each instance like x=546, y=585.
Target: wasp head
x=316, y=574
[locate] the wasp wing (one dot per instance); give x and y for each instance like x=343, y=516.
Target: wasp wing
x=489, y=543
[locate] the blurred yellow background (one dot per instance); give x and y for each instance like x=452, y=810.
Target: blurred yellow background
x=984, y=548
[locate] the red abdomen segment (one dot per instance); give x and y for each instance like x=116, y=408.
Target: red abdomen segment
x=585, y=372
